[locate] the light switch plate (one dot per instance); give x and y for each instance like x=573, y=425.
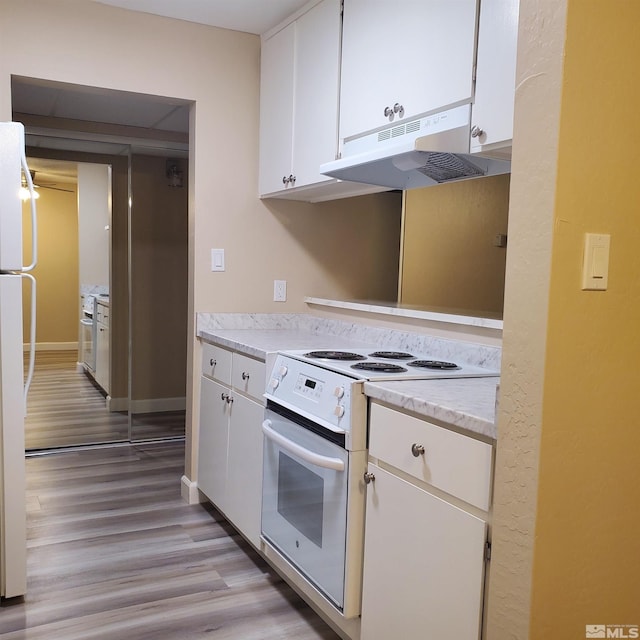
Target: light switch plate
x=217, y=259
x=595, y=266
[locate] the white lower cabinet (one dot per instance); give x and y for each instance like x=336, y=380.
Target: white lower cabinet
x=424, y=555
x=214, y=428
x=230, y=441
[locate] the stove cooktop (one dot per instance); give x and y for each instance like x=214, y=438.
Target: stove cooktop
x=370, y=364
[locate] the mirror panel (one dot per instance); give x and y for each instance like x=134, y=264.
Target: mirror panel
x=158, y=296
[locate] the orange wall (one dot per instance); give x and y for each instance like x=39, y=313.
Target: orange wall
x=57, y=271
x=449, y=259
x=587, y=539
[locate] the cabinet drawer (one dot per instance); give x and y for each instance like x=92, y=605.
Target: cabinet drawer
x=216, y=363
x=102, y=314
x=456, y=464
x=248, y=376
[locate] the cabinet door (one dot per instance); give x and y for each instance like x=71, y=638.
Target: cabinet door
x=423, y=564
x=212, y=448
x=244, y=476
x=276, y=109
x=317, y=83
x=417, y=54
x=496, y=74
x=102, y=356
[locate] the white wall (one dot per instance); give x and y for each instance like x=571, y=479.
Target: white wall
x=94, y=197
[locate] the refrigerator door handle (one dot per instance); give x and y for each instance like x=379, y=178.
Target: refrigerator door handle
x=32, y=339
x=34, y=222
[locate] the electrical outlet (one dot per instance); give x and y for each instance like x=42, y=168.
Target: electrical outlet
x=279, y=290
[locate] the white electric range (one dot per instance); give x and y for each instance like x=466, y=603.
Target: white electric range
x=315, y=456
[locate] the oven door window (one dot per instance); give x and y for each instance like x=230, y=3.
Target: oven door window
x=301, y=497
x=304, y=505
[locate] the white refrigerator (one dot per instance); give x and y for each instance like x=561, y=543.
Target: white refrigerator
x=13, y=388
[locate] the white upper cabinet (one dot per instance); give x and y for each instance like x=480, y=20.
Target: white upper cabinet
x=492, y=114
x=276, y=109
x=299, y=99
x=404, y=59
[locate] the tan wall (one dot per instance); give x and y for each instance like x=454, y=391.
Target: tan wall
x=159, y=225
x=587, y=551
x=93, y=44
x=532, y=200
x=566, y=522
x=57, y=271
x=449, y=259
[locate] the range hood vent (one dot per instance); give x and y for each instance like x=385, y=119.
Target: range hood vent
x=419, y=153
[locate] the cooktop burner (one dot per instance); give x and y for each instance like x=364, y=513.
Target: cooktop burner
x=392, y=355
x=379, y=367
x=434, y=364
x=334, y=355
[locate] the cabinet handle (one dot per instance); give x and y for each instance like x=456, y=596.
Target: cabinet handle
x=245, y=376
x=224, y=396
x=476, y=131
x=388, y=112
x=212, y=362
x=417, y=450
x=285, y=180
x=399, y=109
x=369, y=477
x=292, y=179
x=229, y=399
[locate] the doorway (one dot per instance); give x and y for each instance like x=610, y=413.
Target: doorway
x=148, y=253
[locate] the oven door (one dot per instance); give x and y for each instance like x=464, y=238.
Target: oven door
x=88, y=343
x=304, y=502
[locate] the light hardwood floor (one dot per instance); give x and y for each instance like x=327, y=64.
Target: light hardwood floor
x=113, y=552
x=64, y=408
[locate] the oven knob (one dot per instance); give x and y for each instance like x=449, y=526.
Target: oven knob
x=339, y=411
x=283, y=371
x=338, y=392
x=274, y=383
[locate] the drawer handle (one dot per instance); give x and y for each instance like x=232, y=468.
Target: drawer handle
x=245, y=376
x=417, y=450
x=369, y=477
x=212, y=362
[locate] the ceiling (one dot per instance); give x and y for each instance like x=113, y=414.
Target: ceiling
x=252, y=16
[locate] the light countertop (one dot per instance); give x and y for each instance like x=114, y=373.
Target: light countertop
x=466, y=403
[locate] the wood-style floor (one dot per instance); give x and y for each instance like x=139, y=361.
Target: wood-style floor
x=114, y=552
x=64, y=408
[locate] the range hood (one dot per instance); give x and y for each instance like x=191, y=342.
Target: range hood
x=418, y=153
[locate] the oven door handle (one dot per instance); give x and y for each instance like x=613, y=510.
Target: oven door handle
x=316, y=459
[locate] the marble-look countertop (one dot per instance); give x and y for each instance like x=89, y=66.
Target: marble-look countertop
x=257, y=334
x=449, y=316
x=259, y=343
x=466, y=403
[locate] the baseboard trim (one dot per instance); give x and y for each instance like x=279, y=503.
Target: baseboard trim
x=52, y=346
x=189, y=491
x=157, y=405
x=117, y=404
